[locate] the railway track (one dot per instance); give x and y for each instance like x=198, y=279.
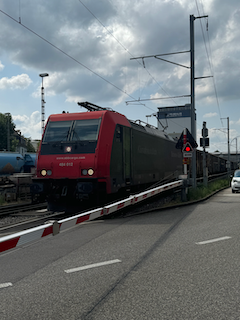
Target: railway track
x=30, y=216
x=17, y=222
x=23, y=216
x=16, y=208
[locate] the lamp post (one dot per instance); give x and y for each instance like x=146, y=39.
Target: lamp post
x=236, y=147
x=228, y=162
x=42, y=75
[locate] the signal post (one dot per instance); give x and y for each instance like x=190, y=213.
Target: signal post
x=187, y=152
x=204, y=142
x=187, y=144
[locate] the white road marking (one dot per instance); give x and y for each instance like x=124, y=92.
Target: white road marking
x=5, y=285
x=94, y=265
x=214, y=240
x=227, y=195
x=42, y=210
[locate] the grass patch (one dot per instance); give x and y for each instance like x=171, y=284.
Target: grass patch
x=203, y=191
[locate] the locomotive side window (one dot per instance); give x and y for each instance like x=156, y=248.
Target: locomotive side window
x=57, y=131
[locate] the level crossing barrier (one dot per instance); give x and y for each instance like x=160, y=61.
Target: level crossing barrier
x=54, y=227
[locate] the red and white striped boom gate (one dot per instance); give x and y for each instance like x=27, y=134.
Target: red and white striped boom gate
x=54, y=227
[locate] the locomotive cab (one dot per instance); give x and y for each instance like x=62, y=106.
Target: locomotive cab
x=74, y=158
x=99, y=154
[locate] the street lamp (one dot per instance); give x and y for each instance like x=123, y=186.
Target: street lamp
x=236, y=147
x=228, y=162
x=42, y=75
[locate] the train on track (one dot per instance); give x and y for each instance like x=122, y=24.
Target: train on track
x=14, y=162
x=98, y=154
x=93, y=155
x=16, y=171
x=214, y=164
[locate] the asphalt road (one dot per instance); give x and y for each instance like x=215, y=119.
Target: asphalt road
x=180, y=263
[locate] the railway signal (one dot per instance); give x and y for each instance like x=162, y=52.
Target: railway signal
x=186, y=138
x=204, y=142
x=187, y=150
x=187, y=144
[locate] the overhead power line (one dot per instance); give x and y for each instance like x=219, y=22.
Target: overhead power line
x=72, y=58
x=143, y=63
x=209, y=59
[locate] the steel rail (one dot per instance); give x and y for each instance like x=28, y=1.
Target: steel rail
x=16, y=208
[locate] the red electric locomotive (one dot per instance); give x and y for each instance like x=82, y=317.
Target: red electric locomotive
x=91, y=155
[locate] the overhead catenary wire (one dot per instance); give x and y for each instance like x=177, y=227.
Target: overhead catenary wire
x=209, y=58
x=72, y=58
x=141, y=64
x=95, y=73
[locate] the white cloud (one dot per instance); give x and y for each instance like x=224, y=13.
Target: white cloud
x=21, y=81
x=210, y=115
x=1, y=66
x=29, y=126
x=90, y=56
x=74, y=99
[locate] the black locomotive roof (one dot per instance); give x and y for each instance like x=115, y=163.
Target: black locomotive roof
x=147, y=128
x=150, y=130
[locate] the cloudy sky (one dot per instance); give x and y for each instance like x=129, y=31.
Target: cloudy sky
x=87, y=46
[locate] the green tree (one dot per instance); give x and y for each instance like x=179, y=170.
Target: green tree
x=7, y=128
x=30, y=147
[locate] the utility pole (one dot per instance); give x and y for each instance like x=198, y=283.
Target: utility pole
x=193, y=115
x=228, y=161
x=228, y=145
x=192, y=81
x=236, y=151
x=192, y=85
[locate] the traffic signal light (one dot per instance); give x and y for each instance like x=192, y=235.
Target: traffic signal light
x=204, y=130
x=206, y=142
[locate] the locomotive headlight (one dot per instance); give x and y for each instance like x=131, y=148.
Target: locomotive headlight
x=68, y=149
x=43, y=172
x=90, y=172
x=46, y=172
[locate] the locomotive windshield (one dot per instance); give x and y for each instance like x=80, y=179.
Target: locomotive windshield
x=57, y=131
x=80, y=130
x=85, y=130
x=82, y=133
